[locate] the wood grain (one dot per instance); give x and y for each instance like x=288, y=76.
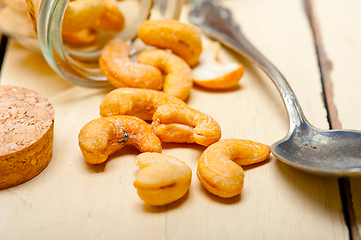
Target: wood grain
x=342, y=45
x=325, y=68
x=334, y=122
x=73, y=200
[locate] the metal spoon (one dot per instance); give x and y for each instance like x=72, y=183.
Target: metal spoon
x=321, y=152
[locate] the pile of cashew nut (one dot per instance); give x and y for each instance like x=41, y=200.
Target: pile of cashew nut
x=82, y=23
x=84, y=19
x=176, y=62
x=148, y=108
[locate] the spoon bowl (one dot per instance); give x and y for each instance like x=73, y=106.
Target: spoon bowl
x=323, y=152
x=316, y=151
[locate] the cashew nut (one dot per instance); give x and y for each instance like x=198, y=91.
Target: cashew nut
x=209, y=73
x=219, y=167
x=182, y=124
x=162, y=179
x=178, y=80
x=103, y=136
x=81, y=14
x=141, y=103
x=121, y=72
x=84, y=36
x=182, y=39
x=112, y=19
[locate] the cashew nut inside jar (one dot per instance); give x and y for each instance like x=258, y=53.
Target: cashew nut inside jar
x=72, y=52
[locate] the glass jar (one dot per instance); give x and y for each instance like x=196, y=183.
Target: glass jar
x=76, y=63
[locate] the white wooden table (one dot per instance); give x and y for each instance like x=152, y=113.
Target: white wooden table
x=342, y=45
x=73, y=200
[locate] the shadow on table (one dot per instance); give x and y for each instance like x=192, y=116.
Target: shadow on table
x=232, y=89
x=127, y=150
x=160, y=209
x=225, y=201
x=317, y=191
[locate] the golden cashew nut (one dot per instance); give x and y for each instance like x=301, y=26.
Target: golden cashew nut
x=178, y=80
x=84, y=36
x=115, y=64
x=182, y=39
x=219, y=168
x=112, y=18
x=162, y=179
x=140, y=103
x=103, y=136
x=209, y=73
x=81, y=14
x=182, y=124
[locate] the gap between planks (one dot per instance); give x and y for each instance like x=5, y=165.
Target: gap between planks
x=3, y=43
x=325, y=66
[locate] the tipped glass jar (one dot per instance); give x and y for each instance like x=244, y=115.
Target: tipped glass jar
x=38, y=26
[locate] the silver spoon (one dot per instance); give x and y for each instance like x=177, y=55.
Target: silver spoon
x=321, y=152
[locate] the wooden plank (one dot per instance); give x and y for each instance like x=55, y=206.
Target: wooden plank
x=332, y=116
x=326, y=69
x=343, y=48
x=73, y=200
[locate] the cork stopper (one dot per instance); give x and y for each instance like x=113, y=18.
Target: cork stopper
x=26, y=134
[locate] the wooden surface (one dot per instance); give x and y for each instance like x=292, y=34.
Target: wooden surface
x=343, y=47
x=73, y=200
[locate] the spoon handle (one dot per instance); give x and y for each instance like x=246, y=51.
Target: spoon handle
x=216, y=22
